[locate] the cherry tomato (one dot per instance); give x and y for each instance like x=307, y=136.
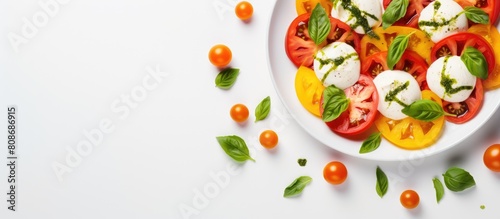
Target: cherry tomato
x=268, y=139
x=419, y=42
x=490, y=33
x=491, y=157
x=335, y=173
x=491, y=7
x=410, y=62
x=306, y=6
x=299, y=46
x=412, y=12
x=362, y=109
x=466, y=110
x=409, y=199
x=309, y=90
x=220, y=55
x=244, y=10
x=239, y=112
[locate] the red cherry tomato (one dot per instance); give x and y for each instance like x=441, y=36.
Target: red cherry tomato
x=335, y=173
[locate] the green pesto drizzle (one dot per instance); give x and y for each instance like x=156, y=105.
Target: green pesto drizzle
x=447, y=82
x=335, y=62
x=360, y=16
x=391, y=96
x=437, y=24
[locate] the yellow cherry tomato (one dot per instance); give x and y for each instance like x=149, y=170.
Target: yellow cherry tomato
x=309, y=89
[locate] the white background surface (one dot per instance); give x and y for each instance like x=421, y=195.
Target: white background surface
x=159, y=158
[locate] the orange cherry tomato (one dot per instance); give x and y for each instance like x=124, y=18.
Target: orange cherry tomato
x=409, y=199
x=244, y=10
x=491, y=157
x=220, y=55
x=335, y=173
x=268, y=139
x=239, y=113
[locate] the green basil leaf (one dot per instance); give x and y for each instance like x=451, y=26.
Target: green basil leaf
x=297, y=186
x=371, y=144
x=395, y=11
x=319, y=24
x=235, y=147
x=476, y=15
x=438, y=186
x=396, y=49
x=302, y=162
x=382, y=183
x=226, y=78
x=262, y=110
x=457, y=179
x=334, y=103
x=475, y=62
x=424, y=110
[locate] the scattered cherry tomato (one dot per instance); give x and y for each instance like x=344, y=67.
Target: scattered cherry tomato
x=220, y=55
x=268, y=139
x=244, y=10
x=335, y=173
x=491, y=157
x=409, y=199
x=239, y=112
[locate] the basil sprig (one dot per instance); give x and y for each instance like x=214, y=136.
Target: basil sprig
x=396, y=49
x=319, y=24
x=395, y=11
x=297, y=186
x=262, y=110
x=382, y=183
x=235, y=147
x=457, y=179
x=424, y=110
x=476, y=15
x=438, y=186
x=371, y=144
x=475, y=62
x=226, y=78
x=335, y=103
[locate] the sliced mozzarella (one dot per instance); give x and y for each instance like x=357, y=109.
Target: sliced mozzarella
x=337, y=64
x=449, y=78
x=370, y=10
x=442, y=18
x=396, y=89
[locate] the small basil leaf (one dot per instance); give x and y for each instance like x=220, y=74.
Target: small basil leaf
x=382, y=183
x=319, y=24
x=396, y=49
x=371, y=144
x=424, y=110
x=235, y=147
x=457, y=179
x=262, y=110
x=334, y=103
x=476, y=15
x=395, y=11
x=475, y=62
x=438, y=186
x=297, y=186
x=302, y=162
x=226, y=78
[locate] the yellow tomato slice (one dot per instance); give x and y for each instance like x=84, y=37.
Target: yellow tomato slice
x=306, y=6
x=309, y=89
x=490, y=33
x=419, y=41
x=410, y=133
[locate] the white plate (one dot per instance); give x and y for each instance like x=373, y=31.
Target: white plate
x=283, y=76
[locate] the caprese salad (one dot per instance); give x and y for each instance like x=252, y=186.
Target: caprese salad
x=403, y=66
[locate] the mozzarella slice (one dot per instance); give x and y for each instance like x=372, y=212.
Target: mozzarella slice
x=449, y=78
x=337, y=64
x=442, y=18
x=396, y=89
x=357, y=12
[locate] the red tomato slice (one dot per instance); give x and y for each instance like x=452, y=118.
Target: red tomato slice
x=410, y=62
x=301, y=49
x=362, y=109
x=455, y=45
x=412, y=13
x=492, y=7
x=468, y=109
